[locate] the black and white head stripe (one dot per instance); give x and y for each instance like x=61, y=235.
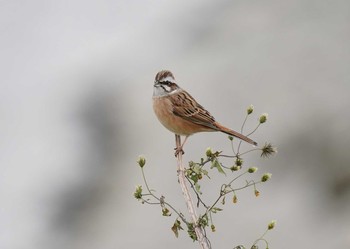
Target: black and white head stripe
x=165, y=83
x=165, y=76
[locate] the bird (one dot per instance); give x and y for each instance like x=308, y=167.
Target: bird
x=181, y=114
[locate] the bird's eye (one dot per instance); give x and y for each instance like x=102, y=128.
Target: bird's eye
x=166, y=83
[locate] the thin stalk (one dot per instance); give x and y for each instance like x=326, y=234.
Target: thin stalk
x=200, y=232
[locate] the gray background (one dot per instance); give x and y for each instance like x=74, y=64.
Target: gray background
x=75, y=105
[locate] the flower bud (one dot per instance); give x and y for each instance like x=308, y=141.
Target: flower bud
x=263, y=118
x=250, y=109
x=252, y=169
x=235, y=168
x=138, y=192
x=239, y=161
x=234, y=199
x=266, y=177
x=209, y=152
x=271, y=225
x=141, y=161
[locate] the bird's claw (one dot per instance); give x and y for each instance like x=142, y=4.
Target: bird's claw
x=179, y=150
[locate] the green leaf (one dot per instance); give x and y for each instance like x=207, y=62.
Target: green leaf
x=203, y=220
x=176, y=227
x=216, y=164
x=191, y=232
x=166, y=212
x=194, y=178
x=198, y=187
x=216, y=209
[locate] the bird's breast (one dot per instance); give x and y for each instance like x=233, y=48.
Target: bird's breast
x=163, y=108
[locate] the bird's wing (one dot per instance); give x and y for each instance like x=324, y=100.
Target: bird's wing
x=186, y=107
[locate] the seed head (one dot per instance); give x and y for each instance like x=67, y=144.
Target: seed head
x=141, y=161
x=271, y=225
x=263, y=118
x=250, y=109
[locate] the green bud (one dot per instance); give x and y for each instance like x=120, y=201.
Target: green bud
x=212, y=228
x=209, y=152
x=263, y=118
x=235, y=168
x=250, y=109
x=239, y=162
x=141, y=161
x=271, y=225
x=252, y=169
x=266, y=177
x=138, y=192
x=230, y=137
x=234, y=199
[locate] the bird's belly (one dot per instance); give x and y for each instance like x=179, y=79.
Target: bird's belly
x=164, y=112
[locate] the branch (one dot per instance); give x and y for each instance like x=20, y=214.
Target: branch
x=200, y=233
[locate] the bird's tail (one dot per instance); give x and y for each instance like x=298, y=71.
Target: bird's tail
x=235, y=134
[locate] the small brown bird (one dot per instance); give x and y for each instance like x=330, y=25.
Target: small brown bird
x=180, y=113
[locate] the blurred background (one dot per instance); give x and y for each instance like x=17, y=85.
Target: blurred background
x=76, y=112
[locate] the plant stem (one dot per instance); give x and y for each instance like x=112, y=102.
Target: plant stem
x=158, y=199
x=200, y=233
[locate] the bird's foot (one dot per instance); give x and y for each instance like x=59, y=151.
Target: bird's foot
x=179, y=150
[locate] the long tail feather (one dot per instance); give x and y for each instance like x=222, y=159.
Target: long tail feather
x=235, y=134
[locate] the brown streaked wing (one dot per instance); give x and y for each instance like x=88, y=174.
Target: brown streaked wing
x=187, y=108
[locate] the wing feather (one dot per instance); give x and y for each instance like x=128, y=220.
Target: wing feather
x=186, y=107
